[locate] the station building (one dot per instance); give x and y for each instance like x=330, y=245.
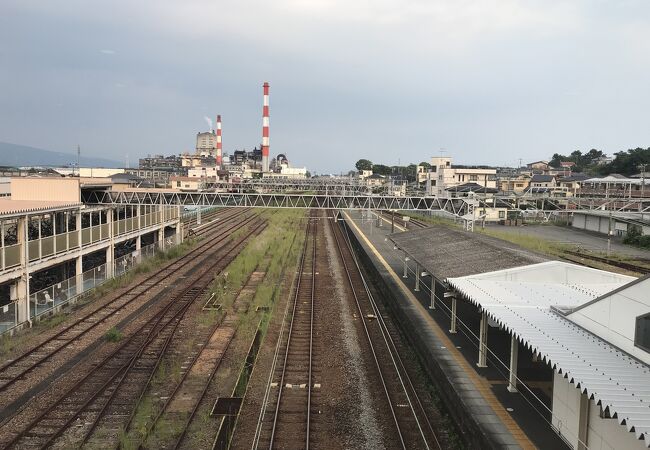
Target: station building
x=53, y=247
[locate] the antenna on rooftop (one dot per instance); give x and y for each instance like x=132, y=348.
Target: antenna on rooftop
x=78, y=158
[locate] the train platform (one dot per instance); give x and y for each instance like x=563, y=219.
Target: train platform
x=477, y=397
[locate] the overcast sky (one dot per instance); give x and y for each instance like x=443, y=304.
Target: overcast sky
x=489, y=81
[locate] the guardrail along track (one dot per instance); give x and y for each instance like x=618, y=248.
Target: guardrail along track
x=412, y=426
x=125, y=370
x=286, y=417
x=16, y=369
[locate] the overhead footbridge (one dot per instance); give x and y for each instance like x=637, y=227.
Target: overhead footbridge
x=135, y=196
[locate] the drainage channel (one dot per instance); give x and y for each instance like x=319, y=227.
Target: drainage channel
x=227, y=408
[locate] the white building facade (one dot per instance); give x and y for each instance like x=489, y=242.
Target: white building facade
x=444, y=176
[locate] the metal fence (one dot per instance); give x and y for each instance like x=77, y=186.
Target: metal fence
x=68, y=291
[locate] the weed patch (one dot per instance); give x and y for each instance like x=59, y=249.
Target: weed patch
x=114, y=335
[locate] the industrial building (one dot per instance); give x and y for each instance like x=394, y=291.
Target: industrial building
x=211, y=164
x=611, y=223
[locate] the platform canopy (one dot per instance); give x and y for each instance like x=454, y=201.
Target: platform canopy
x=524, y=301
x=450, y=252
x=15, y=208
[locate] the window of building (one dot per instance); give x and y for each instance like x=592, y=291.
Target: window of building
x=473, y=178
x=502, y=214
x=178, y=184
x=642, y=334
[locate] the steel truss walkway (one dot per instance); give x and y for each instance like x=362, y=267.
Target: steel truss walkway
x=284, y=186
x=455, y=206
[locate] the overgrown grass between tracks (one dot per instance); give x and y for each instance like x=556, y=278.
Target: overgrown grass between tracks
x=273, y=252
x=9, y=343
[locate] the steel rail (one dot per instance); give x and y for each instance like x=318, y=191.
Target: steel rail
x=370, y=343
x=312, y=230
x=151, y=325
x=179, y=262
x=278, y=345
x=397, y=360
x=256, y=230
x=206, y=386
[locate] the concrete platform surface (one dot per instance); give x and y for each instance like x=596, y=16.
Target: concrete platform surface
x=503, y=419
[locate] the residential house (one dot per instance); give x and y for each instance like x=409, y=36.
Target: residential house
x=538, y=166
x=444, y=176
x=571, y=184
x=514, y=184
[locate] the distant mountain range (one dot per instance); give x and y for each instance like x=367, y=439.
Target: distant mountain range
x=16, y=155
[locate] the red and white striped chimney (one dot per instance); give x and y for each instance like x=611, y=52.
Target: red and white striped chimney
x=265, y=129
x=219, y=148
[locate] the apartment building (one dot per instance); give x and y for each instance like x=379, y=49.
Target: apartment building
x=444, y=175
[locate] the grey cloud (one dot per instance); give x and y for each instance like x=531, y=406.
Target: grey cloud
x=490, y=80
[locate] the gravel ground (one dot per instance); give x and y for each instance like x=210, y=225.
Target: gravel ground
x=92, y=348
x=368, y=433
x=349, y=416
x=43, y=376
x=250, y=410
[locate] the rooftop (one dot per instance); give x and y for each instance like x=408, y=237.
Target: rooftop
x=13, y=208
x=521, y=300
x=451, y=252
x=542, y=178
x=472, y=187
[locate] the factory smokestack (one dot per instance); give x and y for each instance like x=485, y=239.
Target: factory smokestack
x=265, y=129
x=219, y=148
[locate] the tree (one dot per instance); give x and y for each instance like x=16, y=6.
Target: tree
x=426, y=165
x=557, y=159
x=381, y=169
x=363, y=164
x=628, y=162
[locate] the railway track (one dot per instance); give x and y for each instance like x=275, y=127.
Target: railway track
x=412, y=222
x=15, y=370
x=612, y=262
x=209, y=353
x=191, y=222
x=411, y=423
x=113, y=384
x=287, y=415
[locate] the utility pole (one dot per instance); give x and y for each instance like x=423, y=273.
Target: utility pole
x=609, y=235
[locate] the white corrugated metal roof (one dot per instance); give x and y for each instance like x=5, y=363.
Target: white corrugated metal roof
x=11, y=208
x=617, y=382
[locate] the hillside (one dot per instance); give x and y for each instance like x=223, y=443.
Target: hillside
x=22, y=155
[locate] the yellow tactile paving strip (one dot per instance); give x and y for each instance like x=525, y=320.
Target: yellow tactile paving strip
x=481, y=384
